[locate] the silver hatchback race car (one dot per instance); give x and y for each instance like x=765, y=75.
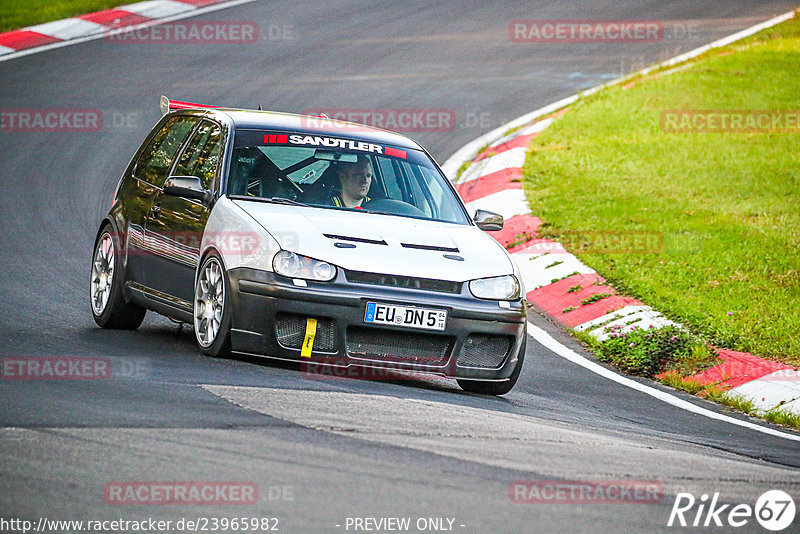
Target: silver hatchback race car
x=302, y=238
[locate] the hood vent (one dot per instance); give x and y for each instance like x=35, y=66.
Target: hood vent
x=356, y=239
x=430, y=247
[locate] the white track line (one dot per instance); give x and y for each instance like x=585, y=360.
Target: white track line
x=548, y=342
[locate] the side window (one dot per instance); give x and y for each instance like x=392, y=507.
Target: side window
x=202, y=155
x=157, y=158
x=418, y=197
x=390, y=178
x=438, y=193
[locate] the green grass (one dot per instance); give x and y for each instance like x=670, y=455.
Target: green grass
x=727, y=204
x=520, y=239
x=675, y=380
x=649, y=351
x=554, y=280
x=737, y=402
x=781, y=416
x=594, y=298
x=15, y=14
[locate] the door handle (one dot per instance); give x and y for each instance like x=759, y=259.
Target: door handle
x=156, y=209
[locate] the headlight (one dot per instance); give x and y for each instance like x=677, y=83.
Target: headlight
x=294, y=265
x=496, y=288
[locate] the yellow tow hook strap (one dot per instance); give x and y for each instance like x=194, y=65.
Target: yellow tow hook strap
x=308, y=342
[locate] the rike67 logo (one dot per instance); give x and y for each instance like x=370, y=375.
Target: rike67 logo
x=774, y=510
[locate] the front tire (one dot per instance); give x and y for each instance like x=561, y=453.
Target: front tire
x=212, y=314
x=109, y=308
x=495, y=388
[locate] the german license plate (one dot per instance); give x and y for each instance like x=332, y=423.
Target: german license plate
x=410, y=316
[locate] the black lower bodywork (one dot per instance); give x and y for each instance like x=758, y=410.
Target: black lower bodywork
x=482, y=341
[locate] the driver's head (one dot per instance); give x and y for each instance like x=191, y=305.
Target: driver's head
x=355, y=178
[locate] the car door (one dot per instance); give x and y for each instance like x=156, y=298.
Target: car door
x=149, y=173
x=176, y=223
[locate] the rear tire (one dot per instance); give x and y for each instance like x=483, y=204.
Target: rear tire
x=109, y=308
x=211, y=310
x=495, y=388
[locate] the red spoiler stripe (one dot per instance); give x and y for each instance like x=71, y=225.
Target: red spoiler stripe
x=168, y=105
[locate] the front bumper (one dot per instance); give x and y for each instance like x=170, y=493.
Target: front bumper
x=266, y=306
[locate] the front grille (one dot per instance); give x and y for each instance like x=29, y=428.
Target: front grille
x=428, y=284
x=290, y=330
x=405, y=347
x=485, y=351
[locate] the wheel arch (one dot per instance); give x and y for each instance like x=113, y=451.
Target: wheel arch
x=205, y=253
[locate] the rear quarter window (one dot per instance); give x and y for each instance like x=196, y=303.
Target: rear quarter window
x=156, y=160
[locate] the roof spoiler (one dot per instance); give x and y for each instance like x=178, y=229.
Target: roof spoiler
x=166, y=105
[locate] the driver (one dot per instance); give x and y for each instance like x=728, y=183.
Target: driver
x=354, y=179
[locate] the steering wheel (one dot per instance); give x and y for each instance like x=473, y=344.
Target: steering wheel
x=393, y=207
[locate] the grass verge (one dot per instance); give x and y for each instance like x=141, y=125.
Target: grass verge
x=16, y=14
x=669, y=355
x=652, y=351
x=725, y=204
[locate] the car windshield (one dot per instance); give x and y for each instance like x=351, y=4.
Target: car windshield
x=336, y=173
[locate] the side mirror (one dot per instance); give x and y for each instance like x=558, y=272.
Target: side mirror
x=187, y=187
x=488, y=221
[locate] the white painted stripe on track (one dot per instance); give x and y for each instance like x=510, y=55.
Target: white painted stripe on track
x=607, y=318
x=534, y=128
x=536, y=273
x=156, y=9
x=548, y=342
x=185, y=15
x=68, y=28
x=770, y=390
x=793, y=406
x=508, y=203
x=6, y=50
x=644, y=319
x=508, y=159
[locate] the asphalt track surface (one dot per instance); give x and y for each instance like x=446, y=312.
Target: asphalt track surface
x=336, y=448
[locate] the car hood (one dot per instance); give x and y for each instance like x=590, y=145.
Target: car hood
x=383, y=243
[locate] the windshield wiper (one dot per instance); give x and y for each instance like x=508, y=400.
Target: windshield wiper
x=275, y=200
x=288, y=201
